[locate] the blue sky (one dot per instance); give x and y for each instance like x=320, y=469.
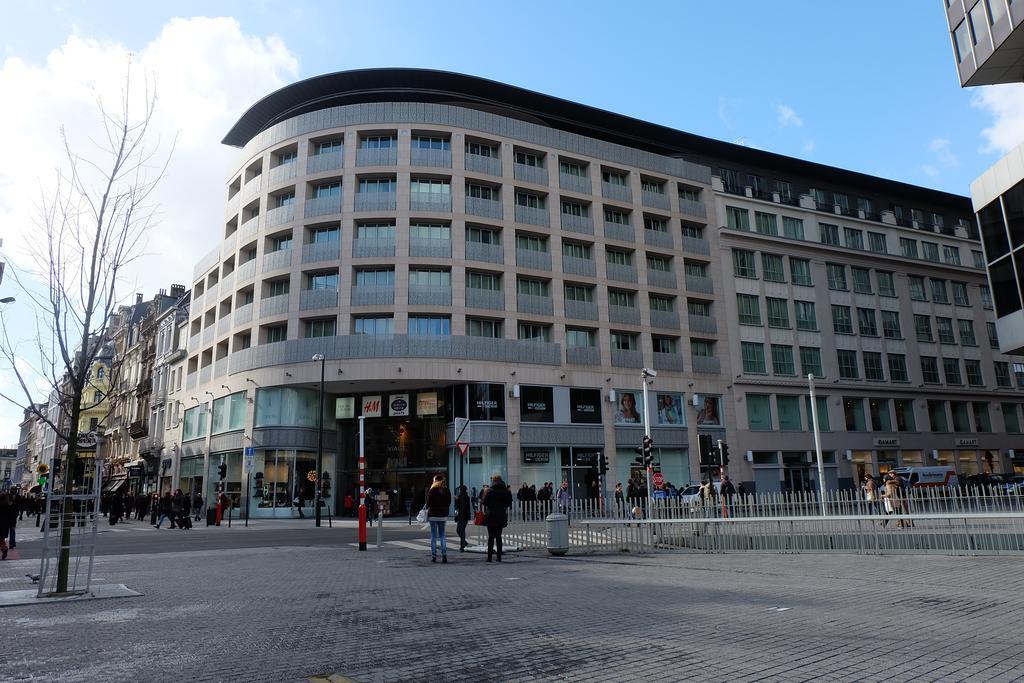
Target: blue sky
x=870, y=86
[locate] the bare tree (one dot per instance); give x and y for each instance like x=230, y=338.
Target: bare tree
x=90, y=227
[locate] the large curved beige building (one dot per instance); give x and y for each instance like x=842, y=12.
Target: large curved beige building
x=456, y=247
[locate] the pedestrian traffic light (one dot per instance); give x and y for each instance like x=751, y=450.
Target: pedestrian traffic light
x=222, y=471
x=714, y=456
x=725, y=454
x=648, y=456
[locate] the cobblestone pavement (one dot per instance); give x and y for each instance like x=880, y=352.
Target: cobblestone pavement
x=290, y=614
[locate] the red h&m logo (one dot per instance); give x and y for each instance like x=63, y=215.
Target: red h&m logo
x=371, y=406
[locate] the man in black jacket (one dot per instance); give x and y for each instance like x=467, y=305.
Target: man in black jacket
x=496, y=504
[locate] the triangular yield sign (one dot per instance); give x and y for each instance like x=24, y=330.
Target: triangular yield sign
x=463, y=447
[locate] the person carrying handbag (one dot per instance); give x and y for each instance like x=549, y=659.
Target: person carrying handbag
x=496, y=504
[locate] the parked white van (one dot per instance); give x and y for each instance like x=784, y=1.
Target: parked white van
x=928, y=477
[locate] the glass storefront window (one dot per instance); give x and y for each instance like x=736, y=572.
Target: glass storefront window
x=229, y=413
x=487, y=402
x=290, y=407
x=967, y=463
x=195, y=422
x=912, y=458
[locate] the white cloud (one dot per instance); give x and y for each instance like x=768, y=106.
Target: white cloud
x=1006, y=105
x=207, y=71
x=929, y=170
x=788, y=116
x=807, y=147
x=943, y=154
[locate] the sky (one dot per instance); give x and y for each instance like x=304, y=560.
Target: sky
x=870, y=86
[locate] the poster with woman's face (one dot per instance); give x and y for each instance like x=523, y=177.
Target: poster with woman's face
x=670, y=410
x=629, y=409
x=710, y=414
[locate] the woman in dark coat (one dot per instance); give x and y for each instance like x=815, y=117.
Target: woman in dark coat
x=7, y=518
x=463, y=513
x=496, y=504
x=439, y=499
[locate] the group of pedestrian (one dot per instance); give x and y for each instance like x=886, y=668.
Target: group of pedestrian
x=889, y=494
x=176, y=508
x=495, y=503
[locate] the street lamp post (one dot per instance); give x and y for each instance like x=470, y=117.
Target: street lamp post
x=649, y=461
x=817, y=443
x=319, y=440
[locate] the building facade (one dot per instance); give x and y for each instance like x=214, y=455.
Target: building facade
x=988, y=40
x=456, y=247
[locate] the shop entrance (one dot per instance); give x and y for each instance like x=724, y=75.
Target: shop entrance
x=579, y=468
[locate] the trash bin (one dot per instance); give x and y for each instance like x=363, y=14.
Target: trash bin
x=558, y=533
x=211, y=516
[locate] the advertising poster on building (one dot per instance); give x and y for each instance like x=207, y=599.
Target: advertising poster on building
x=670, y=410
x=535, y=404
x=585, y=406
x=426, y=404
x=371, y=406
x=344, y=408
x=710, y=414
x=486, y=402
x=629, y=410
x=398, y=405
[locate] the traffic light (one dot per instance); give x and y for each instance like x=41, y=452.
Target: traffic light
x=714, y=456
x=725, y=454
x=639, y=459
x=648, y=456
x=602, y=464
x=222, y=471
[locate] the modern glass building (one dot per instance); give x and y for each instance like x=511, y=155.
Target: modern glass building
x=457, y=247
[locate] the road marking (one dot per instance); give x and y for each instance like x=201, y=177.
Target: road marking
x=513, y=578
x=778, y=609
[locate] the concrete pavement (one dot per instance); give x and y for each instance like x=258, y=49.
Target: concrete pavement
x=280, y=614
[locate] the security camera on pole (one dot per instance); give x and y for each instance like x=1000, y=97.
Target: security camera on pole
x=648, y=442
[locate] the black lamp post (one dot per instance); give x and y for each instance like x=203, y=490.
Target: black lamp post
x=319, y=439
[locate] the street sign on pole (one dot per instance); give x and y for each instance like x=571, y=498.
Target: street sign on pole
x=463, y=447
x=659, y=480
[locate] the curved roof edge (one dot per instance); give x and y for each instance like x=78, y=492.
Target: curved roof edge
x=446, y=87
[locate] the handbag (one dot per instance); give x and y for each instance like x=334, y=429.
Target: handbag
x=422, y=516
x=478, y=518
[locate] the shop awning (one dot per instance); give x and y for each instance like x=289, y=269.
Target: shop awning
x=114, y=485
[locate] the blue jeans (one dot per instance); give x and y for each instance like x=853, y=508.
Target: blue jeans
x=436, y=532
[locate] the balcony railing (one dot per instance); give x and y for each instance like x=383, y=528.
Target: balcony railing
x=665, y=279
x=282, y=258
x=209, y=333
x=373, y=296
x=668, y=361
x=274, y=305
x=423, y=201
x=621, y=272
x=627, y=359
x=702, y=323
x=534, y=304
x=249, y=228
x=621, y=193
x=532, y=215
x=583, y=355
x=481, y=164
x=311, y=299
x=253, y=187
x=667, y=320
x=138, y=429
x=242, y=315
x=430, y=248
x=489, y=253
x=486, y=208
x=223, y=325
x=509, y=351
x=657, y=238
x=528, y=258
x=321, y=251
x=623, y=314
x=205, y=374
x=387, y=156
x=376, y=201
x=696, y=245
x=246, y=270
x=531, y=174
x=493, y=299
x=428, y=295
x=322, y=206
x=700, y=284
x=581, y=224
x=573, y=265
x=619, y=231
x=655, y=200
x=436, y=158
x=575, y=183
x=281, y=173
x=328, y=161
x=581, y=310
x=707, y=365
x=281, y=215
x=363, y=247
x=690, y=207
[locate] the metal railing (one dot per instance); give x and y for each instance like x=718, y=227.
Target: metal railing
x=481, y=164
x=487, y=208
x=328, y=161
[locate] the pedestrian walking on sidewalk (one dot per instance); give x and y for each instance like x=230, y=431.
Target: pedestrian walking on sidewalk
x=8, y=517
x=439, y=500
x=154, y=508
x=300, y=501
x=463, y=513
x=496, y=504
x=166, y=506
x=197, y=506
